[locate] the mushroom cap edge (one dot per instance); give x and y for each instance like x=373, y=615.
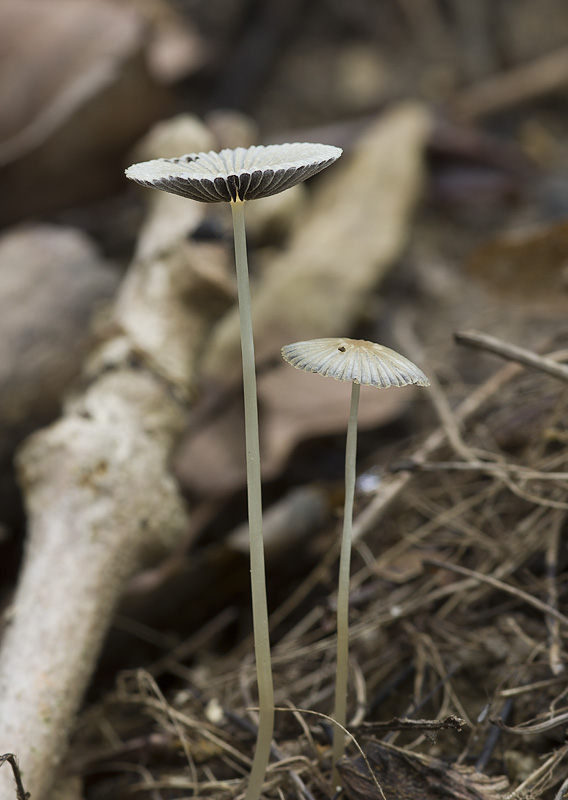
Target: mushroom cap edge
x=355, y=361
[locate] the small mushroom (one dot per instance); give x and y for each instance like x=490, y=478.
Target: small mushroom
x=234, y=176
x=368, y=364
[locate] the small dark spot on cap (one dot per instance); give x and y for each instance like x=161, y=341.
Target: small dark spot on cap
x=342, y=349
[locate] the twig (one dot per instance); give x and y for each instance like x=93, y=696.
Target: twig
x=21, y=794
x=451, y=424
x=153, y=704
x=554, y=641
x=493, y=737
x=448, y=420
x=539, y=773
x=347, y=733
x=531, y=687
x=543, y=75
x=440, y=684
x=527, y=729
x=148, y=684
x=198, y=640
x=450, y=429
x=450, y=722
x=277, y=754
x=521, y=471
x=501, y=470
x=503, y=587
x=512, y=352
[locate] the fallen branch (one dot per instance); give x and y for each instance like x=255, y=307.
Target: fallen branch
x=450, y=722
x=523, y=83
x=101, y=503
x=521, y=355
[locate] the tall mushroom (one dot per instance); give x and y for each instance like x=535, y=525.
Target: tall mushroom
x=361, y=363
x=235, y=176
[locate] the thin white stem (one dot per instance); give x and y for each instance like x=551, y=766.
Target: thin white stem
x=342, y=668
x=258, y=582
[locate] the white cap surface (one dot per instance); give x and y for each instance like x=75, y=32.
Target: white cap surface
x=354, y=360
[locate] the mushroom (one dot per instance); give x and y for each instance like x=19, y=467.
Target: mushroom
x=361, y=363
x=234, y=176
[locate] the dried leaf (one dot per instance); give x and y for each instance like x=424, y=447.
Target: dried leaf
x=403, y=775
x=69, y=67
x=51, y=282
x=87, y=38
x=210, y=459
x=529, y=266
x=298, y=406
x=294, y=406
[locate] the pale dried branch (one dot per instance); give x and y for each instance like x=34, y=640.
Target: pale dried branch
x=101, y=502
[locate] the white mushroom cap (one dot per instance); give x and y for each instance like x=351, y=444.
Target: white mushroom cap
x=354, y=360
x=240, y=174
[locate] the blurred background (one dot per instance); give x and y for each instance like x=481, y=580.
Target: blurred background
x=83, y=81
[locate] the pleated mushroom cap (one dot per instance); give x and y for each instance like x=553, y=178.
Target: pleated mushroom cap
x=239, y=174
x=354, y=360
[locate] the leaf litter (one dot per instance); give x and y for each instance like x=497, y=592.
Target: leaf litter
x=477, y=629
x=458, y=601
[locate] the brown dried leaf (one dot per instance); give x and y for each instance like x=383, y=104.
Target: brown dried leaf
x=51, y=282
x=75, y=93
x=294, y=406
x=529, y=267
x=403, y=775
x=402, y=568
x=299, y=406
x=210, y=460
x=63, y=53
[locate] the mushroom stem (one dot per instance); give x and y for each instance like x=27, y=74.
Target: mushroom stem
x=370, y=364
x=342, y=668
x=258, y=583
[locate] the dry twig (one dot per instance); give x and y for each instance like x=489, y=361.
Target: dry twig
x=512, y=352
